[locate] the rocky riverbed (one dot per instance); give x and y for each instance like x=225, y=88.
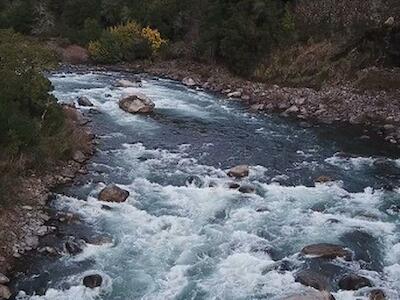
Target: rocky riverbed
x=202, y=198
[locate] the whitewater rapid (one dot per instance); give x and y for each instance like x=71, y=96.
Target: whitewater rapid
x=197, y=239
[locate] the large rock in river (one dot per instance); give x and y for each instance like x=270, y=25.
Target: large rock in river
x=112, y=193
x=137, y=103
x=84, y=101
x=327, y=251
x=353, y=282
x=312, y=279
x=92, y=281
x=239, y=171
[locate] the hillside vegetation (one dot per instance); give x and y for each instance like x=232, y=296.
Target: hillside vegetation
x=296, y=41
x=34, y=130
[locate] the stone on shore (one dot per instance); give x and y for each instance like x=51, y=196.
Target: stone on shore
x=327, y=251
x=4, y=279
x=92, y=281
x=137, y=103
x=5, y=292
x=79, y=157
x=239, y=171
x=113, y=193
x=188, y=81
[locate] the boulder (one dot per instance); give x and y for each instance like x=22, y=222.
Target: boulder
x=327, y=251
x=5, y=292
x=79, y=157
x=92, y=281
x=292, y=110
x=353, y=282
x=4, y=279
x=137, y=103
x=75, y=54
x=389, y=22
x=112, y=193
x=74, y=246
x=188, y=81
x=239, y=171
x=377, y=295
x=247, y=189
x=84, y=101
x=235, y=94
x=312, y=279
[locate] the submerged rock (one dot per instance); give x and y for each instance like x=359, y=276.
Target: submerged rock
x=353, y=282
x=233, y=185
x=239, y=171
x=377, y=295
x=312, y=279
x=74, y=246
x=84, y=101
x=309, y=295
x=327, y=251
x=247, y=189
x=194, y=181
x=137, y=103
x=113, y=193
x=5, y=292
x=92, y=281
x=128, y=83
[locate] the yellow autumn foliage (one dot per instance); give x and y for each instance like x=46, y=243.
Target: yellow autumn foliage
x=126, y=42
x=153, y=36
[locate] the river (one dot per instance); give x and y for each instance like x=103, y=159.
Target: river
x=184, y=234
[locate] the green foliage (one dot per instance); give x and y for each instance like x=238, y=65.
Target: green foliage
x=240, y=33
x=28, y=114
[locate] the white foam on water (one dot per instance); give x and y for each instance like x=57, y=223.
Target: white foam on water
x=168, y=239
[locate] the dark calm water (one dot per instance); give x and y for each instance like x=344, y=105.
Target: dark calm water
x=176, y=240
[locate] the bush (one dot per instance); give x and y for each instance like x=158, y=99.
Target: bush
x=126, y=42
x=28, y=114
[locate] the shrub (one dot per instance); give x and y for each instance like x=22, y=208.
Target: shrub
x=126, y=42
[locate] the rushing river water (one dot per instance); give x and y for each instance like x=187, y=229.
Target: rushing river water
x=183, y=234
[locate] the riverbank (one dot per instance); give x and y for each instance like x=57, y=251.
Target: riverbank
x=24, y=223
x=368, y=106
